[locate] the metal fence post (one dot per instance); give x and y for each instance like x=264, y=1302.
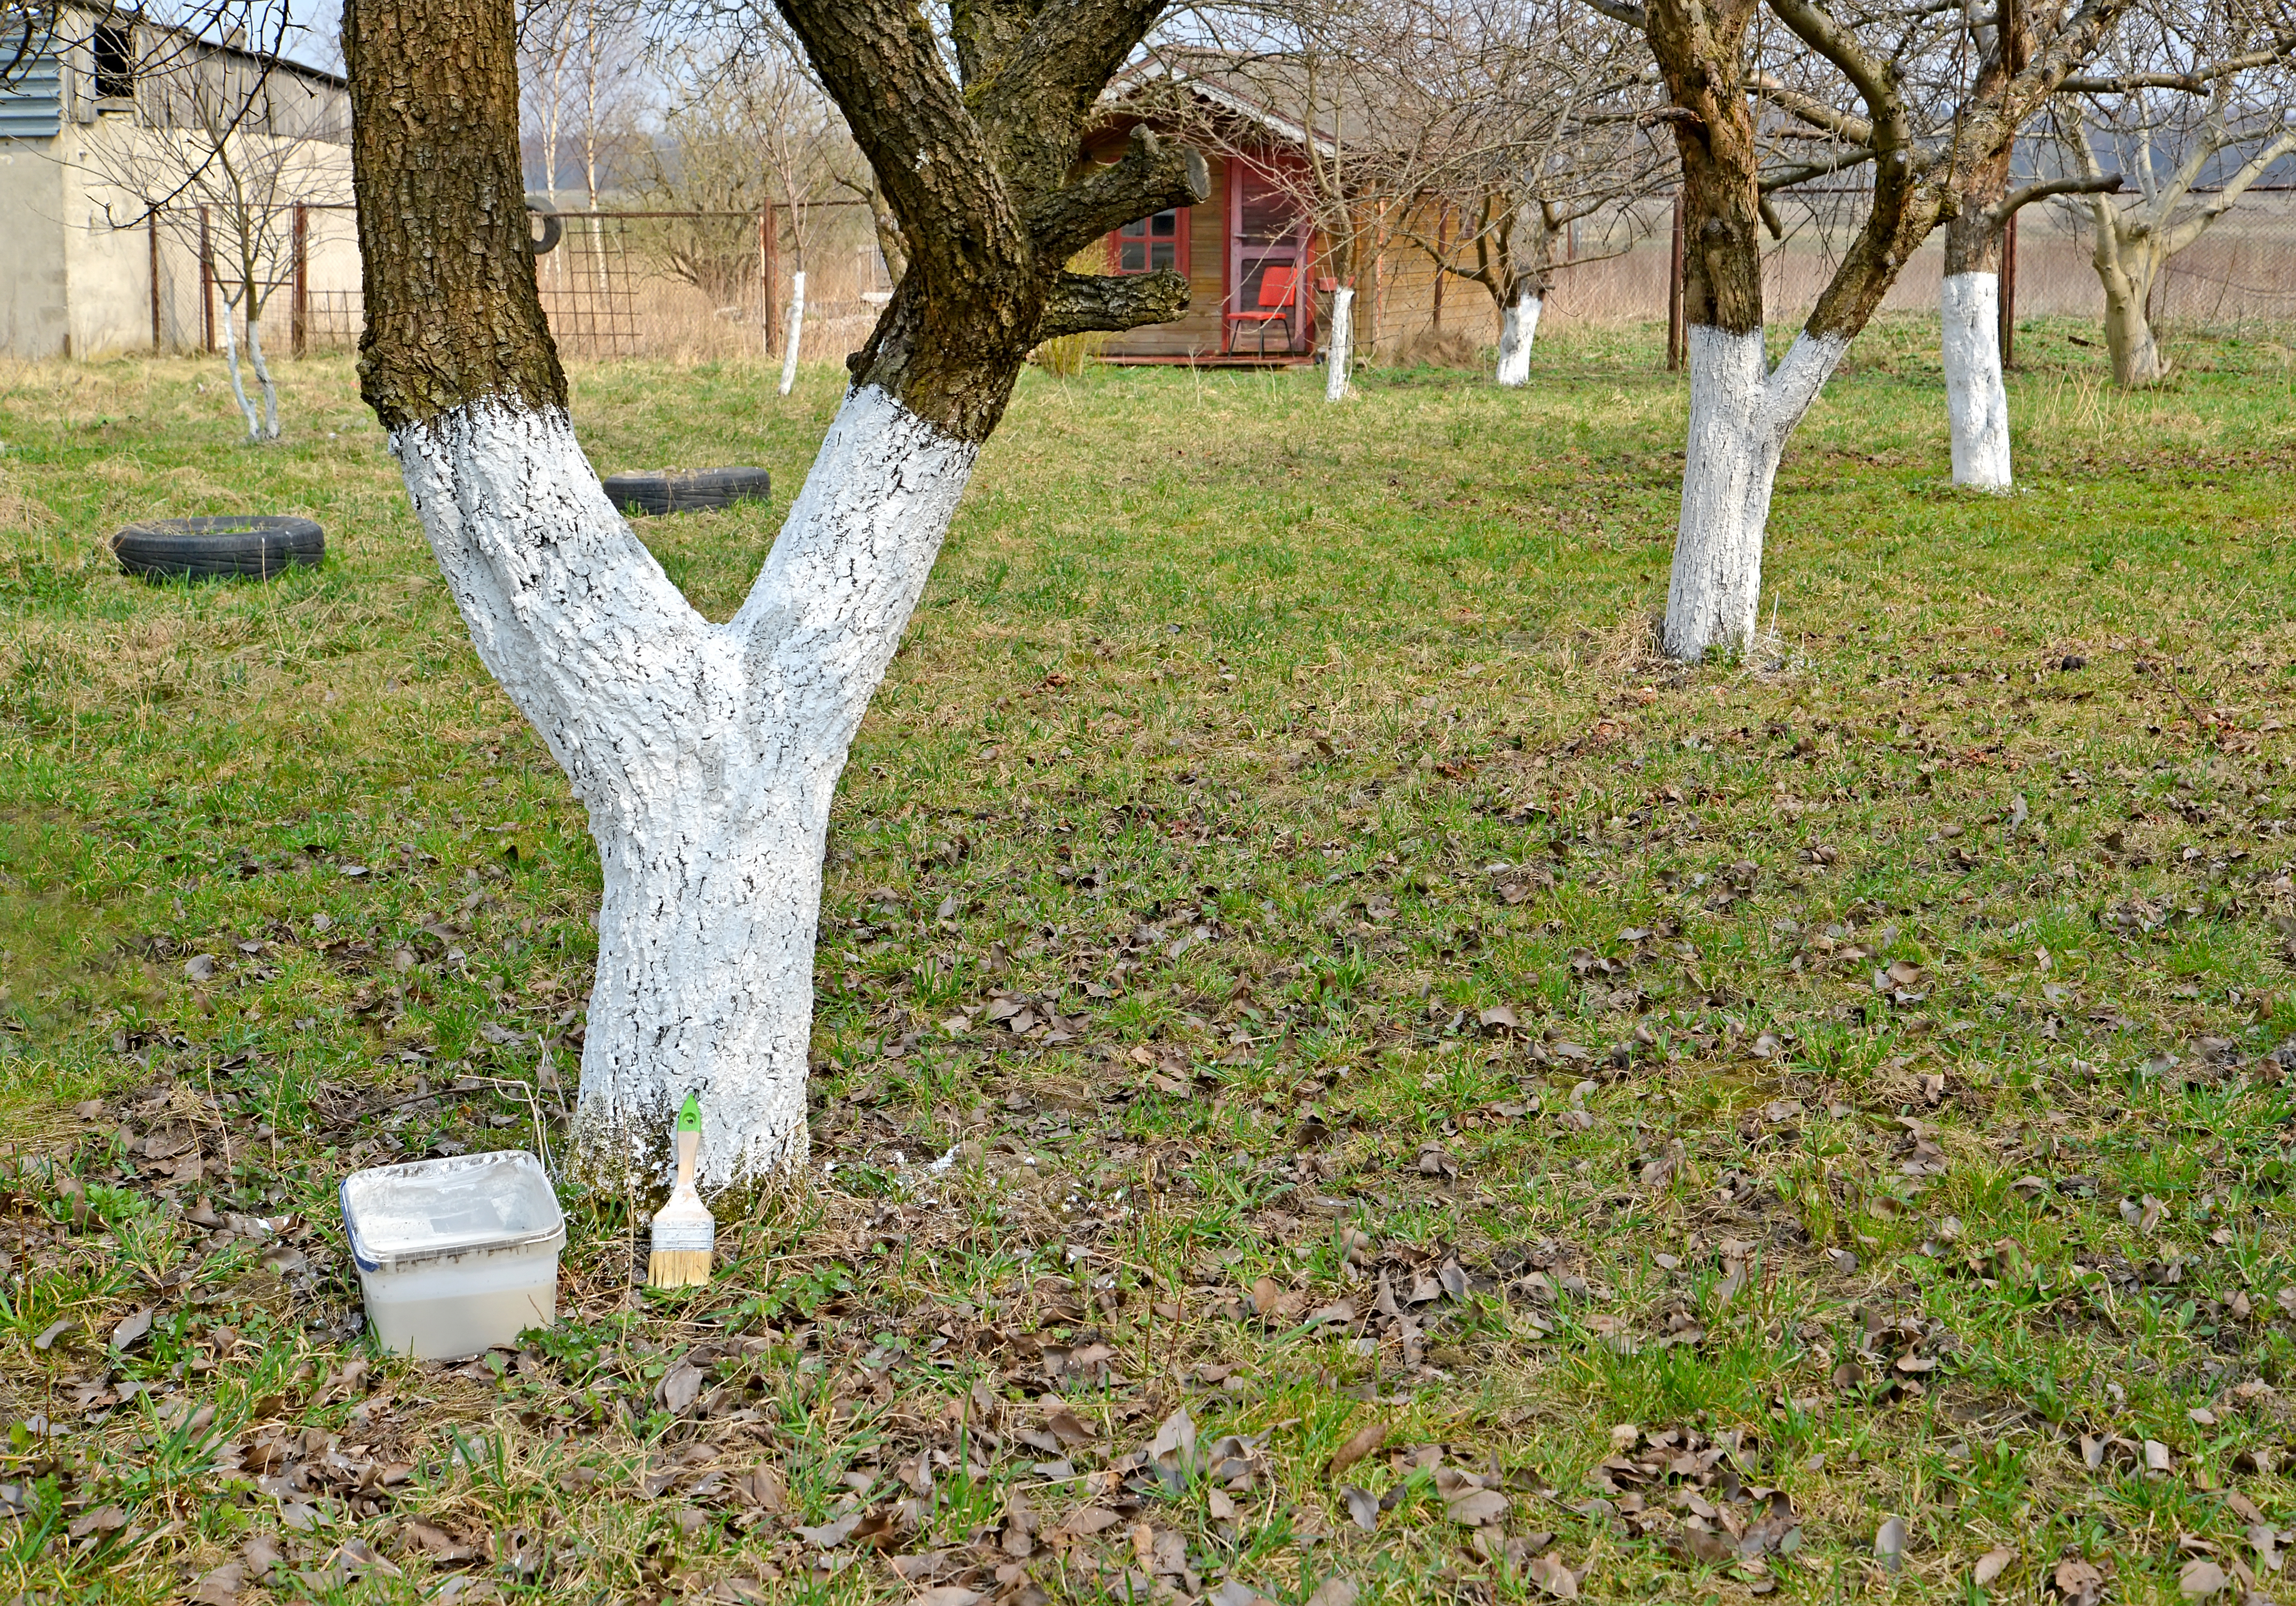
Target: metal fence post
x=1676, y=339
x=2008, y=332
x=207, y=285
x=155, y=222
x=299, y=309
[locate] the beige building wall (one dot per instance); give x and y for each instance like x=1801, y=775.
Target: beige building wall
x=76, y=252
x=79, y=257
x=34, y=281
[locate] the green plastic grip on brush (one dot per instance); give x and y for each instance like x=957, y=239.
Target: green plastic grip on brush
x=689, y=1119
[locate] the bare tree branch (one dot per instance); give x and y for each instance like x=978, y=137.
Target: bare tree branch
x=1090, y=303
x=1154, y=174
x=2018, y=199
x=1810, y=110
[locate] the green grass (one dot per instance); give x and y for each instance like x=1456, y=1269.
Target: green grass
x=1267, y=744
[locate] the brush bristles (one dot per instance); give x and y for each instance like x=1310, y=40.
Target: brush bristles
x=678, y=1268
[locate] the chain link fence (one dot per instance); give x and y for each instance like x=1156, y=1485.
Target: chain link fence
x=691, y=285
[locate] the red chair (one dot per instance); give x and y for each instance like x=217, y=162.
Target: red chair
x=1277, y=286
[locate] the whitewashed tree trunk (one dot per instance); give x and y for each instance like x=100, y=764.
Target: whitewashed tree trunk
x=1741, y=413
x=231, y=364
x=1518, y=326
x=1977, y=403
x=796, y=330
x=706, y=755
x=1338, y=347
x=262, y=374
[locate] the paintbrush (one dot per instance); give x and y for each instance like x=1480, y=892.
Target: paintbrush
x=684, y=1232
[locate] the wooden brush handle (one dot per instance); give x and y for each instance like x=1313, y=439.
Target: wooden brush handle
x=689, y=1146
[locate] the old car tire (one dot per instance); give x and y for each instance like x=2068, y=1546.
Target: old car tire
x=255, y=545
x=687, y=490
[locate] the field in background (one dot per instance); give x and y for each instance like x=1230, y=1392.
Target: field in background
x=1689, y=1125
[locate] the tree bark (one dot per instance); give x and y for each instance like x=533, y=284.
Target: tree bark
x=270, y=391
x=230, y=365
x=1969, y=322
x=706, y=756
x=2126, y=273
x=1517, y=276
x=1741, y=413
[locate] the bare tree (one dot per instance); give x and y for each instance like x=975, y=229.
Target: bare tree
x=2195, y=111
x=708, y=755
x=585, y=85
x=1857, y=64
x=220, y=153
x=747, y=131
x=1318, y=69
x=1527, y=120
x=1950, y=60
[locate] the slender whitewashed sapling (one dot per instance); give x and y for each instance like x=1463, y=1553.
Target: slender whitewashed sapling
x=796, y=330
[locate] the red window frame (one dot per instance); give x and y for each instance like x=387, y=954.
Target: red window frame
x=1147, y=240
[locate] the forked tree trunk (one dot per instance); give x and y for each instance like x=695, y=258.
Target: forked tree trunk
x=1517, y=275
x=2129, y=248
x=1518, y=326
x=230, y=365
x=708, y=755
x=263, y=384
x=1741, y=413
x=1338, y=347
x=1969, y=317
x=796, y=330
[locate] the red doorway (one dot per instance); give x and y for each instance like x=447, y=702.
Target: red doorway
x=1267, y=233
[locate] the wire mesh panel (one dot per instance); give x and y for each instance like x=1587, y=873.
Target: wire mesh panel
x=334, y=319
x=708, y=284
x=588, y=291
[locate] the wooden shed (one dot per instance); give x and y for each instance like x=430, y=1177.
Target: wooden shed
x=1258, y=273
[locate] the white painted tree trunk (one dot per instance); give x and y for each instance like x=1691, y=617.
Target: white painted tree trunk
x=796, y=330
x=706, y=755
x=1976, y=402
x=1338, y=347
x=1518, y=326
x=231, y=364
x=1740, y=413
x=270, y=391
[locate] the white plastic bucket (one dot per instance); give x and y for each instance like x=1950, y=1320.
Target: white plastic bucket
x=457, y=1256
